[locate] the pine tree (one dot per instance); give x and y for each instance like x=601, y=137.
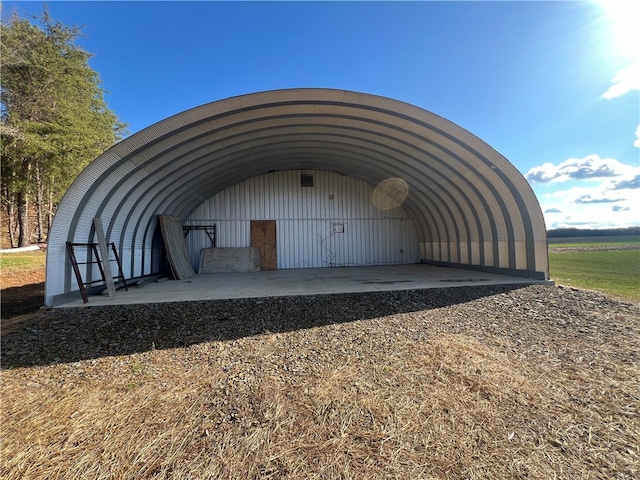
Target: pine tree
x=53, y=119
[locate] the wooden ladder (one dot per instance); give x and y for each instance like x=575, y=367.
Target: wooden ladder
x=93, y=248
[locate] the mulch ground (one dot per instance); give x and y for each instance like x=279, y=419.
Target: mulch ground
x=482, y=382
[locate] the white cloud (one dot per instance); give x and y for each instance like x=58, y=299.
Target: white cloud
x=591, y=167
x=624, y=81
x=608, y=203
x=636, y=143
x=577, y=195
x=598, y=215
x=631, y=183
x=618, y=208
x=586, y=199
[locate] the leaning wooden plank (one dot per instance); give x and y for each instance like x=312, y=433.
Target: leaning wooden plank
x=104, y=257
x=175, y=246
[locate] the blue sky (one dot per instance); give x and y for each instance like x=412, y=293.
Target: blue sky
x=553, y=86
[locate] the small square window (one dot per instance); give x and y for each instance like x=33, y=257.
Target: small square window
x=306, y=180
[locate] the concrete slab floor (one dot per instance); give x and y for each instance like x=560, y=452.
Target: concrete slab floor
x=311, y=281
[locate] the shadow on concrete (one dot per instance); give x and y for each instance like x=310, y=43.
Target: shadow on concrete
x=75, y=334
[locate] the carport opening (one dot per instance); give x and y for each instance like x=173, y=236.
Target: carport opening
x=443, y=196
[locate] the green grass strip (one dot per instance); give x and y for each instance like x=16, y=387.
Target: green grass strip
x=616, y=272
x=23, y=260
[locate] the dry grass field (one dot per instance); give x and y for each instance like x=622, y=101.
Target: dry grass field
x=538, y=383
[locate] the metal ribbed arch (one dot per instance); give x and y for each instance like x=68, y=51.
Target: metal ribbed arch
x=385, y=170
x=462, y=192
x=227, y=180
x=263, y=152
x=219, y=171
x=308, y=146
x=333, y=167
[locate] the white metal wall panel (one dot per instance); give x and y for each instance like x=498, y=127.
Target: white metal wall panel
x=520, y=248
x=475, y=253
x=542, y=253
x=313, y=243
x=305, y=219
x=503, y=254
x=488, y=253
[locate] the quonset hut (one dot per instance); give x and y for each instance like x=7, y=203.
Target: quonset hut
x=341, y=178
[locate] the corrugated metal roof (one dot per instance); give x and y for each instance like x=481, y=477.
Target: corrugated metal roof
x=462, y=194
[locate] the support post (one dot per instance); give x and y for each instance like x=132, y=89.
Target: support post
x=104, y=257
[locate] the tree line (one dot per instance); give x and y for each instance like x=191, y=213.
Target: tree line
x=579, y=232
x=53, y=121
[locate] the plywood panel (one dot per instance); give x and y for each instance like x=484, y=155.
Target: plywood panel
x=263, y=237
x=221, y=260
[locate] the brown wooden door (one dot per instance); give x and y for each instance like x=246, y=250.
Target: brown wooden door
x=263, y=236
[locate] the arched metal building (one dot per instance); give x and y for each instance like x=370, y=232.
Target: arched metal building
x=349, y=179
